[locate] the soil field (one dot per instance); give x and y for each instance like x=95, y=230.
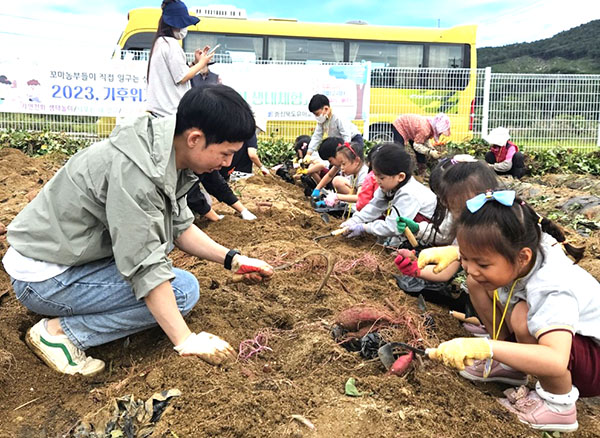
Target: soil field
x=303, y=372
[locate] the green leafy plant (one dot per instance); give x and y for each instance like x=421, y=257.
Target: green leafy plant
x=41, y=143
x=563, y=161
x=476, y=147
x=275, y=151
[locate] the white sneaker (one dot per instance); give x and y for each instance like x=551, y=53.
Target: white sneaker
x=60, y=353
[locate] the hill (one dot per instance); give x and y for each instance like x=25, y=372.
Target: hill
x=572, y=51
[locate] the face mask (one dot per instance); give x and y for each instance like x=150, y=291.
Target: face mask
x=180, y=34
x=321, y=118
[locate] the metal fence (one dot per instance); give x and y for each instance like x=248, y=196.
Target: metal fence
x=540, y=111
x=543, y=110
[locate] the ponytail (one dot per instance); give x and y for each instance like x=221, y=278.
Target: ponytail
x=554, y=230
x=549, y=227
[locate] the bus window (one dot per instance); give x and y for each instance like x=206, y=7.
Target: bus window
x=229, y=43
x=388, y=54
x=297, y=49
x=446, y=56
x=137, y=44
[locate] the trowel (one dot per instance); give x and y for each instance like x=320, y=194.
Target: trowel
x=331, y=234
x=389, y=352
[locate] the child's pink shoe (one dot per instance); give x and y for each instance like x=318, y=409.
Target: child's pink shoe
x=531, y=409
x=476, y=330
x=498, y=373
x=542, y=418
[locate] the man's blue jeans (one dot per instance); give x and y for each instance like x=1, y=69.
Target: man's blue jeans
x=96, y=305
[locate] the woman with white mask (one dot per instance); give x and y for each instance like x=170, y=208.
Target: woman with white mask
x=168, y=74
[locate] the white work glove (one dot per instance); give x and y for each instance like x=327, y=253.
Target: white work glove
x=354, y=230
x=206, y=346
x=247, y=215
x=220, y=216
x=434, y=154
x=251, y=269
x=264, y=170
x=347, y=223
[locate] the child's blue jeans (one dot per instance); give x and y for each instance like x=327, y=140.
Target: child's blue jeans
x=96, y=305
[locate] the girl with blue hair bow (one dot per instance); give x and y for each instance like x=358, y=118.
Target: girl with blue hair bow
x=526, y=289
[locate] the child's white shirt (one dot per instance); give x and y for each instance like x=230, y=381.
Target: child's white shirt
x=410, y=199
x=560, y=294
x=357, y=180
x=428, y=235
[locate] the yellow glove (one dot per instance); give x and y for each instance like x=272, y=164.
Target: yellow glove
x=440, y=256
x=462, y=351
x=307, y=159
x=302, y=171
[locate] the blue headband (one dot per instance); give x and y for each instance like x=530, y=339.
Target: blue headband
x=504, y=197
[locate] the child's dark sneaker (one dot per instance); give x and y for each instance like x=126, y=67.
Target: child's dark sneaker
x=60, y=353
x=499, y=373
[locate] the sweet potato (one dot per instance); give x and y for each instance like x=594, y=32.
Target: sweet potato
x=401, y=364
x=359, y=316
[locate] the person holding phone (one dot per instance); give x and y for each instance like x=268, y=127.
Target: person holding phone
x=205, y=76
x=169, y=76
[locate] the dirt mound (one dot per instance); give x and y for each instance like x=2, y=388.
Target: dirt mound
x=302, y=372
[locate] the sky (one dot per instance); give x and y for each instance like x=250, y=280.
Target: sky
x=90, y=29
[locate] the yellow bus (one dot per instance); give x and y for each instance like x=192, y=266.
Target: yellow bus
x=414, y=70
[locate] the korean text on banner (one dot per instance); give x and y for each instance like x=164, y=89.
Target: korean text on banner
x=118, y=88
x=109, y=88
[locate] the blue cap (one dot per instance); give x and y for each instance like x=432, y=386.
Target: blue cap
x=176, y=15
